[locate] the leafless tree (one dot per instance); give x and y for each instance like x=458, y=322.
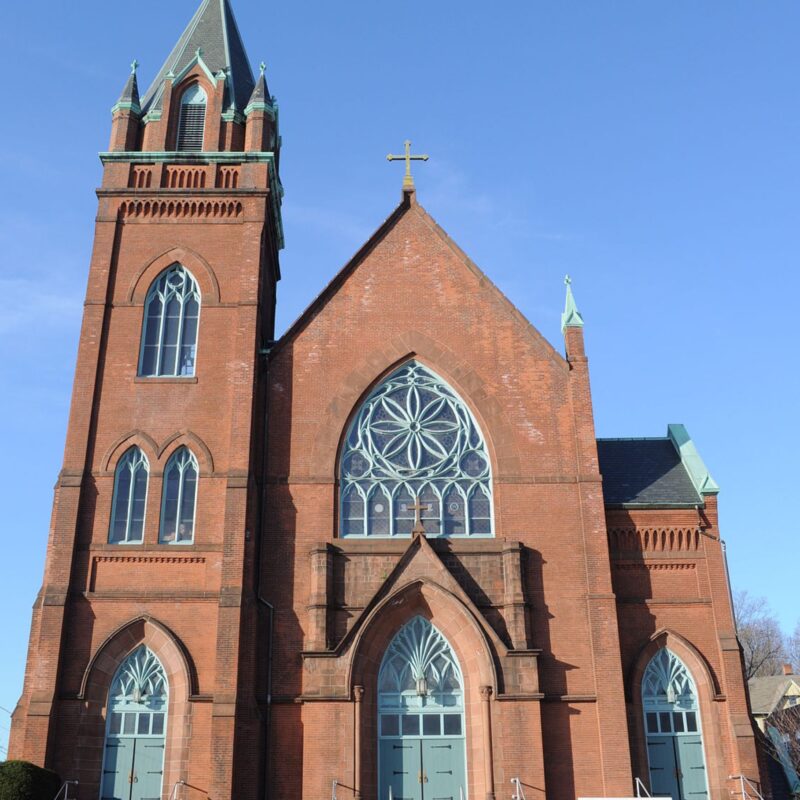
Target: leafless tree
x=783, y=742
x=760, y=634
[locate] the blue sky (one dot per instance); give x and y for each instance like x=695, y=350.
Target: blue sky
x=649, y=149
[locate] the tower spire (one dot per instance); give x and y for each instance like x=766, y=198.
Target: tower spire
x=129, y=99
x=212, y=37
x=571, y=318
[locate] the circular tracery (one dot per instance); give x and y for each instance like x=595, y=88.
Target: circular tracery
x=414, y=442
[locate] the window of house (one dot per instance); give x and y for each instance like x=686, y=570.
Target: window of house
x=130, y=498
x=171, y=320
x=179, y=498
x=192, y=119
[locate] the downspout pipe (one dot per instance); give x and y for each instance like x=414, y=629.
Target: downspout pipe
x=262, y=506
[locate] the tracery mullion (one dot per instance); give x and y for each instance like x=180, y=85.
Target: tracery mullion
x=162, y=296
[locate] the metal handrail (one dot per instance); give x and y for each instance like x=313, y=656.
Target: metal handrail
x=172, y=794
x=640, y=787
x=65, y=789
x=333, y=791
x=743, y=783
x=518, y=793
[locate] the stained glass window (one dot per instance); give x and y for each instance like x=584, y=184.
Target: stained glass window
x=415, y=442
x=179, y=498
x=130, y=498
x=171, y=317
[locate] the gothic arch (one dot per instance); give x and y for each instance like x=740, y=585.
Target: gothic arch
x=96, y=682
x=708, y=693
x=498, y=432
x=471, y=645
x=443, y=609
x=138, y=438
x=195, y=263
x=191, y=440
x=146, y=630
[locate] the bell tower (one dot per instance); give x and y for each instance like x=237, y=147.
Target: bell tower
x=151, y=556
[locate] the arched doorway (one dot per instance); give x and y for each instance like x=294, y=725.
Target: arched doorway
x=421, y=727
x=133, y=759
x=674, y=732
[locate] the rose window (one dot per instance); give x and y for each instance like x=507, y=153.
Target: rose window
x=414, y=442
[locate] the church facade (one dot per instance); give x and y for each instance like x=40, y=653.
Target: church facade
x=384, y=556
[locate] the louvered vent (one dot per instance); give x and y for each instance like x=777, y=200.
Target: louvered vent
x=191, y=126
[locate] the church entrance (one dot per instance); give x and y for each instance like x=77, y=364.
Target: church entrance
x=422, y=747
x=674, y=736
x=133, y=761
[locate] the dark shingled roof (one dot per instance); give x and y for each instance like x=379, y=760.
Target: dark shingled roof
x=213, y=29
x=130, y=92
x=646, y=472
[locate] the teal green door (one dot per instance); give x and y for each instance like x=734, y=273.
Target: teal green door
x=401, y=769
x=117, y=769
x=691, y=767
x=148, y=769
x=663, y=767
x=443, y=769
x=133, y=769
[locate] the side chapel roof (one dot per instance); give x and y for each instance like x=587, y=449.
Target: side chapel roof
x=214, y=32
x=766, y=692
x=656, y=472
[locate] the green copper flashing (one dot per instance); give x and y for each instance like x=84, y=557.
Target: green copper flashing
x=571, y=318
x=269, y=110
x=232, y=115
x=698, y=472
x=125, y=106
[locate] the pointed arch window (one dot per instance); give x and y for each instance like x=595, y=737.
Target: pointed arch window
x=136, y=727
x=192, y=119
x=171, y=319
x=179, y=498
x=675, y=748
x=415, y=442
x=130, y=498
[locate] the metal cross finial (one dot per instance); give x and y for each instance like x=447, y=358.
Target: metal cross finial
x=263, y=67
x=134, y=65
x=567, y=280
x=408, y=181
x=418, y=508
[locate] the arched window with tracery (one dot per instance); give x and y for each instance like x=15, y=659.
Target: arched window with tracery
x=136, y=724
x=130, y=498
x=171, y=319
x=415, y=443
x=192, y=119
x=673, y=727
x=179, y=498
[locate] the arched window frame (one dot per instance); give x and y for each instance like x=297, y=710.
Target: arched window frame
x=184, y=463
x=131, y=486
x=192, y=119
x=446, y=432
x=169, y=341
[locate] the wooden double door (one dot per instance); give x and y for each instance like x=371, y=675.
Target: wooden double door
x=423, y=769
x=677, y=767
x=133, y=768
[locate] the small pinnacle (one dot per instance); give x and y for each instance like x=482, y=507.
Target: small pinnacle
x=134, y=65
x=199, y=52
x=263, y=67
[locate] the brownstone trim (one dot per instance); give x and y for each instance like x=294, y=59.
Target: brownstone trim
x=195, y=263
x=96, y=683
x=187, y=438
x=121, y=446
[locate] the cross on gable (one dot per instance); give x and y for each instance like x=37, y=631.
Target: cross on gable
x=418, y=508
x=408, y=181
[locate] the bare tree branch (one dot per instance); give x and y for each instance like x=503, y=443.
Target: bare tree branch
x=760, y=635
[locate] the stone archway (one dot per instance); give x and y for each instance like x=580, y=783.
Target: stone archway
x=473, y=652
